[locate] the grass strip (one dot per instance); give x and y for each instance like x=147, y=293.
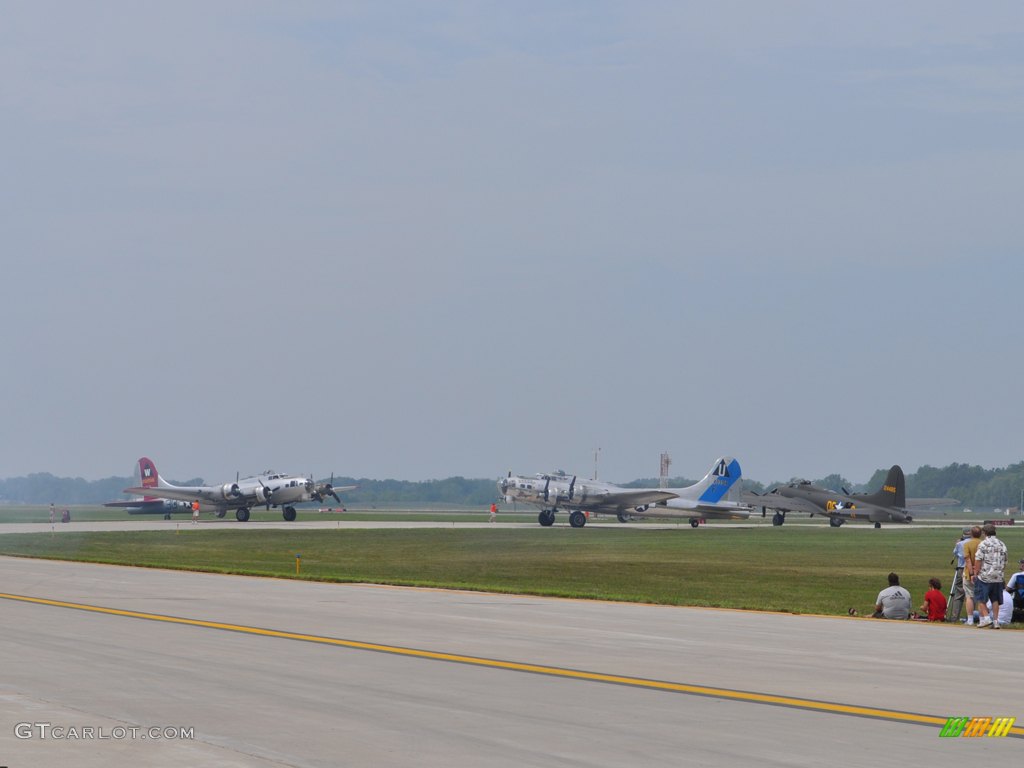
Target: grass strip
x=793, y=569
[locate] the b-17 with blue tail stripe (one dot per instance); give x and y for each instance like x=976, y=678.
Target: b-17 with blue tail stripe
x=712, y=497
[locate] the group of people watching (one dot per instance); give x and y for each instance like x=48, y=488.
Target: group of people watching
x=981, y=565
x=978, y=585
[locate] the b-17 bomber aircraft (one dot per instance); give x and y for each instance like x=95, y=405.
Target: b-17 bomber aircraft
x=551, y=492
x=270, y=489
x=888, y=505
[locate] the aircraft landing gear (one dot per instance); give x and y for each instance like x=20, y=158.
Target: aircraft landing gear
x=878, y=525
x=694, y=522
x=624, y=517
x=778, y=518
x=546, y=518
x=835, y=522
x=242, y=514
x=288, y=513
x=577, y=519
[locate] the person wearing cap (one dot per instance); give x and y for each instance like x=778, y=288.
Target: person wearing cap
x=991, y=561
x=956, y=592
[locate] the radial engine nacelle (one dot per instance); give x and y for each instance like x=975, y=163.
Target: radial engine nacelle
x=230, y=491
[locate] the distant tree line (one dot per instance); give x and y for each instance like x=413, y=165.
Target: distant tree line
x=974, y=486
x=44, y=488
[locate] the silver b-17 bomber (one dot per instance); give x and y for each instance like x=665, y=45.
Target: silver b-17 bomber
x=270, y=489
x=705, y=499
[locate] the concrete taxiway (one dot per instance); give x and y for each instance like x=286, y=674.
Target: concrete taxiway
x=267, y=672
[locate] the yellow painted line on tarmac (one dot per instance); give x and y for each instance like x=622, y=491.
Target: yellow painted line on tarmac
x=574, y=674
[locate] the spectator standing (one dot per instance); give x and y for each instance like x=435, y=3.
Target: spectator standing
x=970, y=548
x=956, y=592
x=991, y=561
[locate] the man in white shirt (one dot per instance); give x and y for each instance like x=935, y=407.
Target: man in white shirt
x=991, y=561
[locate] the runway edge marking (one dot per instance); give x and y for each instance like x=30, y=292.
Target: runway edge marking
x=635, y=682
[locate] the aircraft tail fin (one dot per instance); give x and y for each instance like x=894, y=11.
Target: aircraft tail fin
x=894, y=490
x=716, y=484
x=149, y=477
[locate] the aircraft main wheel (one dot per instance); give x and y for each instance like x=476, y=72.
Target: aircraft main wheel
x=694, y=522
x=835, y=522
x=878, y=525
x=778, y=518
x=546, y=518
x=289, y=513
x=623, y=517
x=577, y=519
x=241, y=514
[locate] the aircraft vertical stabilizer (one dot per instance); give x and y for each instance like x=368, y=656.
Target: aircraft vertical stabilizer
x=894, y=490
x=719, y=481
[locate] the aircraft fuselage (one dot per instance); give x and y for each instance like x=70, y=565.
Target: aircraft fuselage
x=842, y=506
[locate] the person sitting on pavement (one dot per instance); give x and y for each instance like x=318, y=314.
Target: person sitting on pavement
x=1002, y=614
x=1015, y=588
x=893, y=602
x=934, y=608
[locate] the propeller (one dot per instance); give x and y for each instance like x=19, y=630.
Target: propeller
x=319, y=490
x=328, y=488
x=572, y=488
x=267, y=493
x=547, y=484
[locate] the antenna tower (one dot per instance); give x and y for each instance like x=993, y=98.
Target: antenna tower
x=666, y=462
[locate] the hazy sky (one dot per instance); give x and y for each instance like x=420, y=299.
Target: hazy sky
x=424, y=239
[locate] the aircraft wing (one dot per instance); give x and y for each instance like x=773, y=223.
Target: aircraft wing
x=626, y=499
x=212, y=495
x=780, y=502
x=932, y=503
x=724, y=513
x=137, y=504
x=724, y=509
